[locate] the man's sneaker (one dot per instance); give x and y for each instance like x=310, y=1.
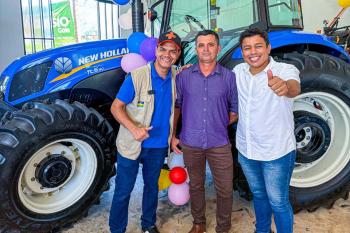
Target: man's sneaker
x=152, y=229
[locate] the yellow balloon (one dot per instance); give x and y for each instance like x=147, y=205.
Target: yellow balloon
x=344, y=3
x=164, y=181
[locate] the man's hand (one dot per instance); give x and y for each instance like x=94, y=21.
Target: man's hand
x=174, y=145
x=277, y=85
x=184, y=67
x=140, y=134
x=233, y=117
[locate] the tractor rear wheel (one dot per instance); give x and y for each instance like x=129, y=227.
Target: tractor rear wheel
x=322, y=128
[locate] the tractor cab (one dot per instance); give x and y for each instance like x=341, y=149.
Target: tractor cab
x=227, y=18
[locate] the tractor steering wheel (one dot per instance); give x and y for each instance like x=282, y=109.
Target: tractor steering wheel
x=193, y=30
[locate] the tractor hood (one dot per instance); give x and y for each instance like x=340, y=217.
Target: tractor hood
x=60, y=68
x=79, y=54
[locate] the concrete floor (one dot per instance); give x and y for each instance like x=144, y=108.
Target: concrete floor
x=174, y=219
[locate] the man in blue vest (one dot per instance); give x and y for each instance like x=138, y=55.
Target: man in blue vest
x=144, y=108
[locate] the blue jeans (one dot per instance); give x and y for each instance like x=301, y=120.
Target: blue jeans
x=152, y=160
x=269, y=183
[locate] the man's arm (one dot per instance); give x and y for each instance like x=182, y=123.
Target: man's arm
x=177, y=111
x=233, y=101
x=119, y=113
x=174, y=140
x=293, y=88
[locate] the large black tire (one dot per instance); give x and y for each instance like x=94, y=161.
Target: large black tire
x=75, y=177
x=322, y=117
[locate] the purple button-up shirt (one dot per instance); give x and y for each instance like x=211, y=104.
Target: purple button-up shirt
x=205, y=104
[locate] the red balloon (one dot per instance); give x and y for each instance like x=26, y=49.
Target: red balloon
x=178, y=175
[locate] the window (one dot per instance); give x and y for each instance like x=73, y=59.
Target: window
x=96, y=20
x=236, y=14
x=187, y=19
x=37, y=23
x=158, y=7
x=226, y=17
x=54, y=23
x=285, y=13
x=108, y=18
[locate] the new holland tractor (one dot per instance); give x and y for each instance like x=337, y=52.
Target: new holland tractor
x=57, y=136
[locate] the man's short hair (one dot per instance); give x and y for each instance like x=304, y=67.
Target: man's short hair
x=208, y=32
x=254, y=32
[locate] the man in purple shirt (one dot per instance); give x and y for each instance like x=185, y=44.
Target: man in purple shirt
x=207, y=99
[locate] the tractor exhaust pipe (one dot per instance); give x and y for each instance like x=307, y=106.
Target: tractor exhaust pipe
x=137, y=16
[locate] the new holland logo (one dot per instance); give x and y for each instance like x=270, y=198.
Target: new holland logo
x=63, y=65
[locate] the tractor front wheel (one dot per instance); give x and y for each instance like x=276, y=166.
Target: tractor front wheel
x=58, y=158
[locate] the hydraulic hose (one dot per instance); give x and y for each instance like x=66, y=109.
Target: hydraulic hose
x=137, y=16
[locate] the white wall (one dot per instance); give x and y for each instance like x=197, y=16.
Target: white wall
x=11, y=34
x=315, y=11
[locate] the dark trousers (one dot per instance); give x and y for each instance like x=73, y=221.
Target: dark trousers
x=221, y=166
x=152, y=160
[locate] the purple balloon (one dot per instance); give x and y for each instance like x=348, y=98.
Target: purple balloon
x=179, y=194
x=148, y=48
x=131, y=61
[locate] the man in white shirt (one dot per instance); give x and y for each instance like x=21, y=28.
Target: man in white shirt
x=265, y=134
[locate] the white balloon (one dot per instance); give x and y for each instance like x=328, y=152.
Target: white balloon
x=175, y=160
x=125, y=20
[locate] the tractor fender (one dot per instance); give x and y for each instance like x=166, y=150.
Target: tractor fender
x=284, y=38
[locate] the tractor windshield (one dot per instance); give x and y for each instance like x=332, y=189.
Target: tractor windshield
x=227, y=17
x=186, y=18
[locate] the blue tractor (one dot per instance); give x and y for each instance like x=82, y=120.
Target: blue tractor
x=57, y=136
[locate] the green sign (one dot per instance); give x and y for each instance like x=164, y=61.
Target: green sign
x=63, y=23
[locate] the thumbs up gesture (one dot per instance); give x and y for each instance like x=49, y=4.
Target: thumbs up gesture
x=277, y=85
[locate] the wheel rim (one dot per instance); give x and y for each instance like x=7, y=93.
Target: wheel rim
x=327, y=119
x=57, y=176
x=313, y=136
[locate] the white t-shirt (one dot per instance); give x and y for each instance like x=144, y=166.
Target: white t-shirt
x=265, y=127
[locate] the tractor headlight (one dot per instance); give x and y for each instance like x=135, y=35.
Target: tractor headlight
x=3, y=85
